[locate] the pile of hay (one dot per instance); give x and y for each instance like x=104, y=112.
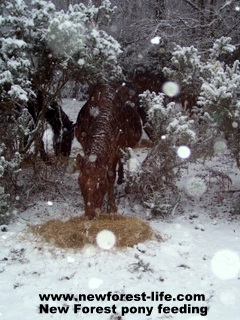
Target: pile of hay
x=78, y=232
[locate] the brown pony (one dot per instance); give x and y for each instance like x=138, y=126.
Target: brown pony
x=107, y=123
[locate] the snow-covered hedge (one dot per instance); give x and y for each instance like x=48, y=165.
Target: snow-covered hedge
x=41, y=50
x=156, y=181
x=215, y=86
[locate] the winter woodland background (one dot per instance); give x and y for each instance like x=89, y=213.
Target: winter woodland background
x=53, y=51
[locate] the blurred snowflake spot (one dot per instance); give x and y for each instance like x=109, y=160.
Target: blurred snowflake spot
x=170, y=88
x=114, y=28
x=162, y=50
x=196, y=187
x=92, y=158
x=50, y=203
x=234, y=124
x=163, y=137
x=95, y=283
x=156, y=40
x=225, y=264
x=89, y=250
x=237, y=8
x=110, y=173
x=81, y=62
x=94, y=112
x=98, y=211
x=183, y=152
x=106, y=239
x=220, y=147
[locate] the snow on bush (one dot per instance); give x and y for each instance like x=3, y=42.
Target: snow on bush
x=165, y=121
x=43, y=49
x=8, y=169
x=219, y=97
x=38, y=42
x=75, y=37
x=190, y=68
x=187, y=69
x=221, y=46
x=215, y=86
x=161, y=168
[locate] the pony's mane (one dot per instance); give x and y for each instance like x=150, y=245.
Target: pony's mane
x=99, y=138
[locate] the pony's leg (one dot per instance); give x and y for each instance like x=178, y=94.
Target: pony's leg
x=120, y=179
x=42, y=151
x=111, y=205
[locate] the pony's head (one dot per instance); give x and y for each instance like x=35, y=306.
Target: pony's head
x=93, y=184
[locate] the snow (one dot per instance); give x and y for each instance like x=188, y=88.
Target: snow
x=132, y=164
x=17, y=92
x=6, y=76
x=219, y=146
x=183, y=152
x=196, y=186
x=171, y=88
x=106, y=239
x=199, y=254
x=81, y=62
x=222, y=45
x=156, y=40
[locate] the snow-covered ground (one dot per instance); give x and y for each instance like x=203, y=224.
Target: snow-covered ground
x=199, y=254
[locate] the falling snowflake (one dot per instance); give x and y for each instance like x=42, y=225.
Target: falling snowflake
x=226, y=264
x=220, y=147
x=106, y=239
x=196, y=187
x=156, y=40
x=183, y=152
x=94, y=112
x=89, y=250
x=92, y=158
x=171, y=89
